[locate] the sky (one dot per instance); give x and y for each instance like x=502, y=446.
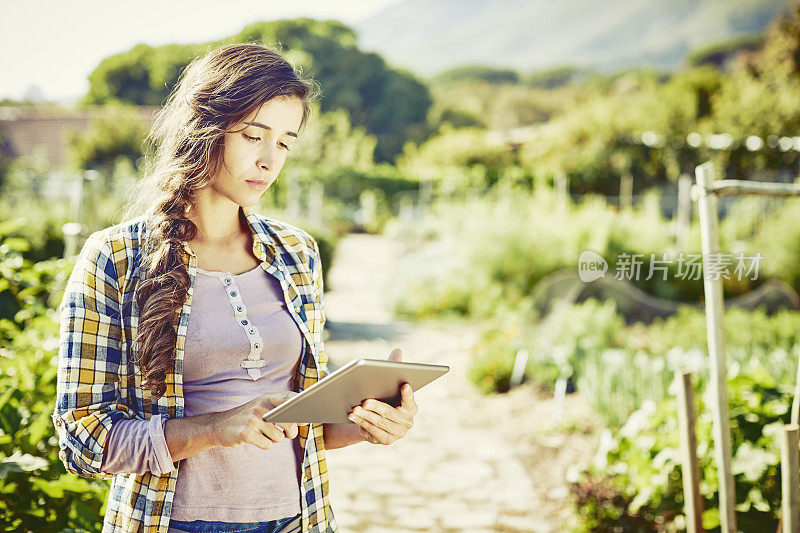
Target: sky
x=54, y=45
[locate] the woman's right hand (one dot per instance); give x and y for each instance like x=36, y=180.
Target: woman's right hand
x=243, y=424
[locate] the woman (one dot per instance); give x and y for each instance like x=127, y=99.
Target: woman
x=182, y=326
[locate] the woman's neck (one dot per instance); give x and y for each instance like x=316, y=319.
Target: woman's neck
x=218, y=223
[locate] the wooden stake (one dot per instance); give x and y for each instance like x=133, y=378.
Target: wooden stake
x=692, y=501
x=709, y=238
x=684, y=212
x=790, y=479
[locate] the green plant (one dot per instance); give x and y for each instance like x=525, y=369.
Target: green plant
x=634, y=482
x=36, y=493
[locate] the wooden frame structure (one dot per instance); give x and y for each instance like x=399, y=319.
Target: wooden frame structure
x=708, y=190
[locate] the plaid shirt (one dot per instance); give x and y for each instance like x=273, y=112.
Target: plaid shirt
x=100, y=381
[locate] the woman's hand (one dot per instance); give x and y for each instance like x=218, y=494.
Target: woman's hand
x=379, y=422
x=243, y=424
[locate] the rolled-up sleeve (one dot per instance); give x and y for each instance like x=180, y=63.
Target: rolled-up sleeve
x=89, y=359
x=138, y=447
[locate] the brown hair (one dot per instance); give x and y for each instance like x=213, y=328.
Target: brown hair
x=214, y=92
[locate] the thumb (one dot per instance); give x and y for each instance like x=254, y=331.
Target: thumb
x=396, y=355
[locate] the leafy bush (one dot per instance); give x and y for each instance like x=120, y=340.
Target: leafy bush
x=515, y=240
x=36, y=493
x=618, y=368
x=634, y=482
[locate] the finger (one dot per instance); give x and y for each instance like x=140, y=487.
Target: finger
x=378, y=435
x=289, y=429
x=257, y=438
x=386, y=411
x=396, y=355
x=389, y=426
x=407, y=400
x=272, y=432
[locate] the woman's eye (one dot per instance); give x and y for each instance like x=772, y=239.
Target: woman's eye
x=282, y=145
x=246, y=136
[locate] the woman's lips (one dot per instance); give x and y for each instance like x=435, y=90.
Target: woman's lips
x=258, y=185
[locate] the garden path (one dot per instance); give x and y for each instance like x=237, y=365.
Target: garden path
x=471, y=462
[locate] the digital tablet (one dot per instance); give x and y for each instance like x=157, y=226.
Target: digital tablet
x=332, y=398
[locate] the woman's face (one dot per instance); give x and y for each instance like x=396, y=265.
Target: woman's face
x=254, y=154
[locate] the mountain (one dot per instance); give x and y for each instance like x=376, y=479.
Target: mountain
x=428, y=36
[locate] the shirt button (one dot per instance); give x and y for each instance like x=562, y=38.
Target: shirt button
x=233, y=293
x=297, y=308
x=227, y=281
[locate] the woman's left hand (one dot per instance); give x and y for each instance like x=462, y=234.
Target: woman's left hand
x=379, y=422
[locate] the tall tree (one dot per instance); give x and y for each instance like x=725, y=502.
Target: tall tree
x=389, y=103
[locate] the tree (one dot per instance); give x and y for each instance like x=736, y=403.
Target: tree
x=118, y=134
x=143, y=75
x=389, y=103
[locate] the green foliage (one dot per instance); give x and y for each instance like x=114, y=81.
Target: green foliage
x=634, y=482
x=493, y=362
x=619, y=367
x=390, y=104
x=477, y=72
x=118, y=134
x=36, y=493
x=598, y=140
x=478, y=102
x=456, y=159
x=330, y=142
x=554, y=77
x=144, y=75
x=515, y=240
x=721, y=52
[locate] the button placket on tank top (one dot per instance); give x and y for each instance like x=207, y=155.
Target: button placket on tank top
x=253, y=363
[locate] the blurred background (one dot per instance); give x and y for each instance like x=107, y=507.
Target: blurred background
x=462, y=156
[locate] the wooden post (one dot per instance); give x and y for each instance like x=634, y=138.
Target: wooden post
x=626, y=191
x=91, y=179
x=683, y=216
x=518, y=373
x=406, y=208
x=709, y=238
x=562, y=189
x=293, y=198
x=790, y=479
x=796, y=400
x=76, y=198
x=425, y=196
x=559, y=397
x=368, y=210
x=72, y=232
x=692, y=501
x=315, y=199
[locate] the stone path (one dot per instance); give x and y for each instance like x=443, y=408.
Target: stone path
x=459, y=468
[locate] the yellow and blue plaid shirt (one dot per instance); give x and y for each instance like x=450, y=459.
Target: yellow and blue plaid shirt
x=100, y=380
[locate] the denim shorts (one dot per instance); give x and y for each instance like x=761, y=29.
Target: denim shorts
x=283, y=525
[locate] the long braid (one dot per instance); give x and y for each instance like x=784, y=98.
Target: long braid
x=162, y=294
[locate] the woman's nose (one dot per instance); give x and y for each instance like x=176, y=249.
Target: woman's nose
x=266, y=159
